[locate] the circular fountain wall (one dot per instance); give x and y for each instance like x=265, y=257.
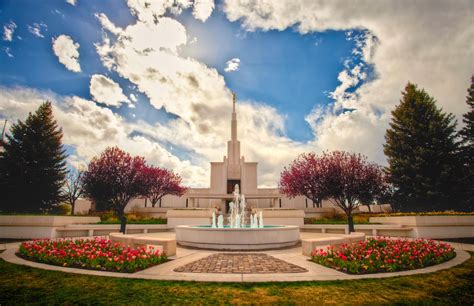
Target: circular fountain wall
x=268, y=237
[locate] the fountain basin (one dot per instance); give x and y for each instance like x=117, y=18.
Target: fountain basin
x=268, y=237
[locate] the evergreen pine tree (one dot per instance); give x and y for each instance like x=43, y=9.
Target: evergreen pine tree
x=467, y=151
x=421, y=149
x=34, y=164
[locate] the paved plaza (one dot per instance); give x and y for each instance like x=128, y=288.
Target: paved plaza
x=245, y=263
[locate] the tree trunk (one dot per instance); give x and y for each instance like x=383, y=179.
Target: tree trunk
x=123, y=222
x=73, y=204
x=350, y=223
x=93, y=206
x=368, y=206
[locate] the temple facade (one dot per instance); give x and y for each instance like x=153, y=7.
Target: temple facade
x=232, y=170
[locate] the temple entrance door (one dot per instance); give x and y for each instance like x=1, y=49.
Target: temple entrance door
x=231, y=185
x=230, y=189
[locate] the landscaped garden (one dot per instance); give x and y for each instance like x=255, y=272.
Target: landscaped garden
x=382, y=254
x=118, y=165
x=94, y=254
x=21, y=285
x=111, y=218
x=364, y=218
x=339, y=219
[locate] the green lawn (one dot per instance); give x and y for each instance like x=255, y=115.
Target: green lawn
x=23, y=285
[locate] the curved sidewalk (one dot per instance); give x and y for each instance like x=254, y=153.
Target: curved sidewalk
x=293, y=256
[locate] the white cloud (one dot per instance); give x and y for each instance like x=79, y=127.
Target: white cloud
x=146, y=54
x=425, y=42
x=72, y=2
x=183, y=86
x=67, y=52
x=202, y=9
x=107, y=24
x=8, y=30
x=133, y=97
x=106, y=91
x=232, y=65
x=8, y=52
x=150, y=11
x=90, y=128
x=36, y=29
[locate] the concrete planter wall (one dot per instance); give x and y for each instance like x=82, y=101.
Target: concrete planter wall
x=152, y=212
x=27, y=227
x=177, y=217
x=237, y=238
x=16, y=220
x=433, y=226
x=83, y=230
x=320, y=212
x=282, y=216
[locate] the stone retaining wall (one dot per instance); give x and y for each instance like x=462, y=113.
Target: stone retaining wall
x=433, y=226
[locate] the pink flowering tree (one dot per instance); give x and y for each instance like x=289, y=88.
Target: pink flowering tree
x=162, y=182
x=345, y=179
x=303, y=177
x=114, y=178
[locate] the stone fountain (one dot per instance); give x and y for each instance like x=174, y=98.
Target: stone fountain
x=237, y=235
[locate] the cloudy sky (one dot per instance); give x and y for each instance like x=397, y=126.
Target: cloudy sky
x=155, y=77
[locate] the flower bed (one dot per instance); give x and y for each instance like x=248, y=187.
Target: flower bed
x=378, y=255
x=428, y=213
x=95, y=254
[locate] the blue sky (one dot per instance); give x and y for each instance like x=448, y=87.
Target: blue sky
x=291, y=71
x=155, y=78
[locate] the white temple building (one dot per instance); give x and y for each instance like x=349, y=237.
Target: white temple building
x=232, y=170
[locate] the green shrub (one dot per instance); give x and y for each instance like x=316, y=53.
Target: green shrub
x=63, y=209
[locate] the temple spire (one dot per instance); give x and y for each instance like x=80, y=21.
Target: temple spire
x=233, y=102
x=234, y=120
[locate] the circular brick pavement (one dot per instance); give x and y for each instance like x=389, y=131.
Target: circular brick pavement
x=241, y=263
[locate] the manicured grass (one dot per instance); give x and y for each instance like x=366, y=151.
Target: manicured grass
x=340, y=219
x=23, y=285
x=111, y=218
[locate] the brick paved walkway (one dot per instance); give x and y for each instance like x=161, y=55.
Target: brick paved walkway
x=246, y=263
